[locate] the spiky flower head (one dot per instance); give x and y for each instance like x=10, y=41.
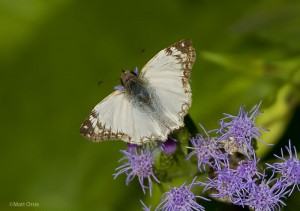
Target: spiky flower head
x=180, y=198
x=228, y=185
x=138, y=164
x=207, y=152
x=267, y=195
x=241, y=129
x=247, y=169
x=289, y=169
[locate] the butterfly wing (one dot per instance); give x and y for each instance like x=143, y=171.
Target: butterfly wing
x=168, y=74
x=115, y=118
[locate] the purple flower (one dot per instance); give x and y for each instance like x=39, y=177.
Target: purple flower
x=229, y=185
x=289, y=168
x=180, y=198
x=138, y=165
x=206, y=151
x=265, y=196
x=169, y=146
x=241, y=130
x=247, y=169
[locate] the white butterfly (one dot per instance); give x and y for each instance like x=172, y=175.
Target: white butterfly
x=150, y=105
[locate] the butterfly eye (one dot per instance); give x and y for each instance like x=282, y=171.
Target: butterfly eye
x=122, y=78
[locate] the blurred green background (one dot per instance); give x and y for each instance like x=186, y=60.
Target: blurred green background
x=54, y=53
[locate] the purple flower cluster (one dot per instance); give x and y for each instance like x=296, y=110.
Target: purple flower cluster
x=236, y=177
x=248, y=189
x=229, y=157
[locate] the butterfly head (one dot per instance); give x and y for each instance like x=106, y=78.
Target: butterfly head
x=127, y=75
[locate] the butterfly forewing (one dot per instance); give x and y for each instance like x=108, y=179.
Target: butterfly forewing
x=166, y=78
x=168, y=73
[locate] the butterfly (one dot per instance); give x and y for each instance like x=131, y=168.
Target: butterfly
x=149, y=106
